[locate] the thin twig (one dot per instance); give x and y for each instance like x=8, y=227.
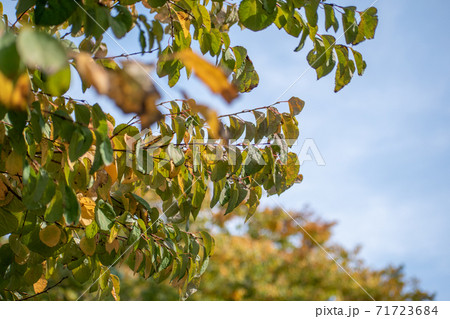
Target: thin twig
x=124, y=55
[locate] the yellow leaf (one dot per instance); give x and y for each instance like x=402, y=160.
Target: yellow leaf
x=210, y=116
x=40, y=285
x=113, y=233
x=88, y=245
x=111, y=169
x=116, y=287
x=296, y=105
x=183, y=18
x=87, y=210
x=209, y=74
x=50, y=235
x=15, y=95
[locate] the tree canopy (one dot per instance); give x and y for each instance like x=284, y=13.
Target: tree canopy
x=75, y=186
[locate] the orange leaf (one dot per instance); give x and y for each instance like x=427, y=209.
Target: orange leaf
x=40, y=285
x=112, y=171
x=209, y=74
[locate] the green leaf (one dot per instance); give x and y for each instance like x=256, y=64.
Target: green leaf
x=205, y=18
x=345, y=68
x=80, y=143
x=122, y=22
x=23, y=6
x=283, y=148
x=360, y=63
x=219, y=171
x=97, y=21
x=156, y=3
x=170, y=208
x=293, y=26
x=327, y=67
x=273, y=121
x=99, y=120
x=224, y=194
x=218, y=187
x=135, y=234
x=237, y=127
x=19, y=249
x=54, y=12
x=83, y=114
x=254, y=161
x=8, y=222
x=58, y=83
x=302, y=39
x=33, y=274
x=254, y=16
x=250, y=131
x=269, y=5
x=54, y=211
x=179, y=127
x=330, y=18
x=261, y=125
x=349, y=24
x=104, y=215
x=199, y=194
x=175, y=154
x=370, y=19
x=71, y=206
x=9, y=57
x=317, y=56
x=311, y=12
x=245, y=78
x=292, y=168
x=83, y=272
x=208, y=243
x=234, y=195
x=142, y=201
x=42, y=51
x=104, y=147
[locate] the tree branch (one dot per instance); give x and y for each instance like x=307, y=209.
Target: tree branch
x=124, y=55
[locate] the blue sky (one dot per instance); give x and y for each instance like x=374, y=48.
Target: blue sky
x=385, y=138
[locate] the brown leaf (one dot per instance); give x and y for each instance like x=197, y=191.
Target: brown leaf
x=50, y=235
x=209, y=74
x=88, y=245
x=138, y=260
x=113, y=245
x=92, y=73
x=295, y=105
x=130, y=87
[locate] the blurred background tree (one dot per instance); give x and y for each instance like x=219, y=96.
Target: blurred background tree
x=272, y=257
